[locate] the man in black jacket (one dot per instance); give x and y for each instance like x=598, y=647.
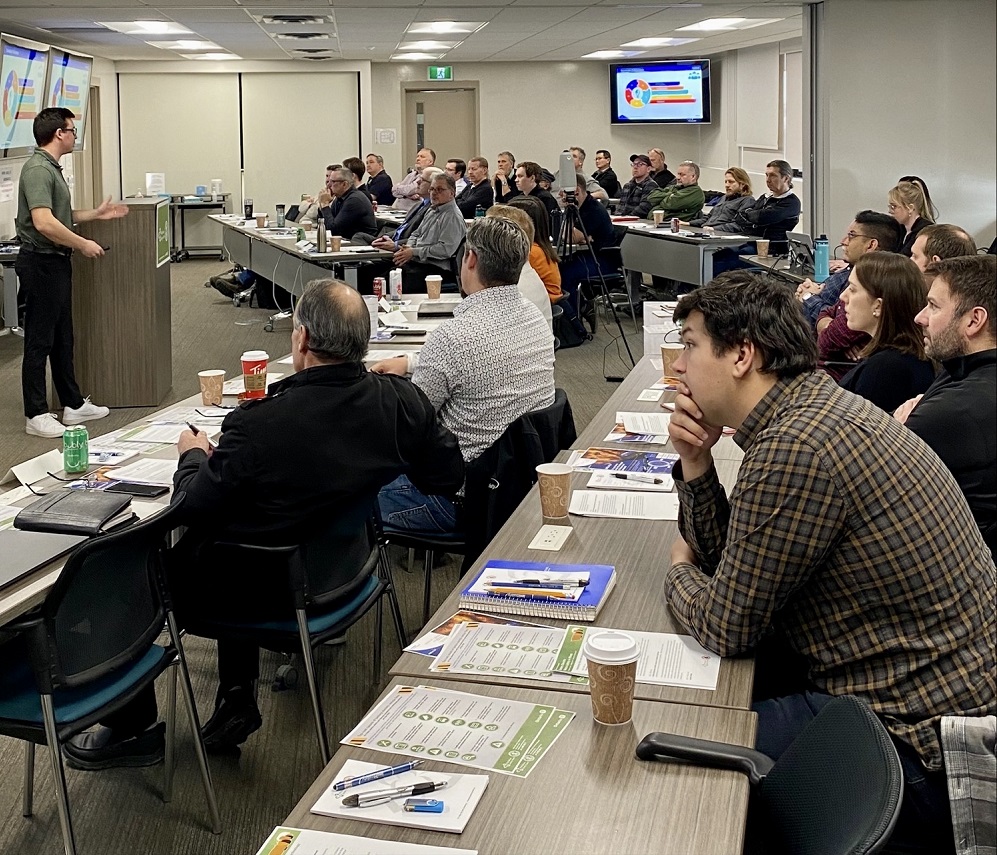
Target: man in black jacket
x=605, y=174
x=774, y=213
x=351, y=211
x=956, y=415
x=318, y=447
x=479, y=191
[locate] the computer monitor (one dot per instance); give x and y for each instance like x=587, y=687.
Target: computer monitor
x=801, y=253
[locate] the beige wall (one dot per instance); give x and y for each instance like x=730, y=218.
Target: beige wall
x=910, y=90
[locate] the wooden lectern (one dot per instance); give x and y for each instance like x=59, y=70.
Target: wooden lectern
x=121, y=308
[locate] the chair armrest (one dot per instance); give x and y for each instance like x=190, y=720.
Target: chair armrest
x=703, y=752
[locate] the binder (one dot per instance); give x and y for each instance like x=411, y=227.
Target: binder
x=86, y=512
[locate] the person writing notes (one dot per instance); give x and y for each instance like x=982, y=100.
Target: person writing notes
x=846, y=557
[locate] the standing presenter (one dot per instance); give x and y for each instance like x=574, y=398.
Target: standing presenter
x=44, y=225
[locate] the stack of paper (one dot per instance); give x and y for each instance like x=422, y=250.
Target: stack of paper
x=149, y=470
x=309, y=842
x=624, y=505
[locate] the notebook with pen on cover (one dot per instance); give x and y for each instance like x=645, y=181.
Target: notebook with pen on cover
x=537, y=589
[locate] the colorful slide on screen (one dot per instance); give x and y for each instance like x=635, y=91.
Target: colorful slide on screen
x=22, y=76
x=649, y=93
x=69, y=85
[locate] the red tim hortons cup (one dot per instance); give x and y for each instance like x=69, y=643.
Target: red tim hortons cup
x=254, y=372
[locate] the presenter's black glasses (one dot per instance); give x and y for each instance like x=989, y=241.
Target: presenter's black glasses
x=73, y=131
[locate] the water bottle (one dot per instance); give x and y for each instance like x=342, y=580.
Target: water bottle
x=321, y=234
x=820, y=259
x=479, y=212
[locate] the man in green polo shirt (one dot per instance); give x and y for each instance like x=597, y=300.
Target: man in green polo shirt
x=44, y=225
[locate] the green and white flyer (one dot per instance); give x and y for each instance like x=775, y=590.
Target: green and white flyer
x=483, y=732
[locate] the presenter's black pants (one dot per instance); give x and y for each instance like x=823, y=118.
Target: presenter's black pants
x=46, y=282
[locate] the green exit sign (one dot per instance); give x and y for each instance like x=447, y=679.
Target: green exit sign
x=441, y=72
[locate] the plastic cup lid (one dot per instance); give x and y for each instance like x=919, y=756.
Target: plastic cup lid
x=255, y=355
x=609, y=647
x=554, y=469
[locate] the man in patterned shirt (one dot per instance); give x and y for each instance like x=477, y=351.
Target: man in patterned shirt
x=846, y=547
x=483, y=370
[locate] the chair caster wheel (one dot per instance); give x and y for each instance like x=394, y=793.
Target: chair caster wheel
x=268, y=327
x=285, y=678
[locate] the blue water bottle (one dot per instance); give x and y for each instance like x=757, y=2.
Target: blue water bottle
x=820, y=259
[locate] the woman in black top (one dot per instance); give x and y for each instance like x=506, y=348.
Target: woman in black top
x=910, y=208
x=885, y=292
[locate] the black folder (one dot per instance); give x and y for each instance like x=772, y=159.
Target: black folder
x=86, y=512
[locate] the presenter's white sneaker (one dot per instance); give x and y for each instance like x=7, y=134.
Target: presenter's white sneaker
x=45, y=425
x=85, y=412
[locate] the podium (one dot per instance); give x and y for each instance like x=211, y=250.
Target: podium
x=121, y=308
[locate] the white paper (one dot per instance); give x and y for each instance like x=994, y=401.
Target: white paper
x=116, y=437
x=431, y=643
x=15, y=495
x=6, y=184
x=148, y=470
x=500, y=735
x=652, y=423
x=7, y=514
x=609, y=481
x=166, y=434
x=286, y=360
x=36, y=468
x=236, y=386
x=650, y=395
x=104, y=455
x=305, y=841
x=198, y=415
x=624, y=505
x=460, y=797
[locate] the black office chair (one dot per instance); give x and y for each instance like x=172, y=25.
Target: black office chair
x=495, y=483
x=328, y=582
x=90, y=648
x=452, y=283
x=556, y=313
x=617, y=291
x=836, y=790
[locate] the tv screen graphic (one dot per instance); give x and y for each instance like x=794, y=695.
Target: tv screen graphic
x=665, y=92
x=22, y=76
x=68, y=86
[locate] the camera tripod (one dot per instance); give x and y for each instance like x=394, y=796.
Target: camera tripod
x=570, y=220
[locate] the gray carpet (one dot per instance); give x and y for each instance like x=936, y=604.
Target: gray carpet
x=120, y=811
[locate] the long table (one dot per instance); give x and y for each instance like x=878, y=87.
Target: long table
x=683, y=257
x=277, y=257
x=588, y=793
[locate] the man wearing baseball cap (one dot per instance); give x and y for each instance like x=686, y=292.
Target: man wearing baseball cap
x=634, y=201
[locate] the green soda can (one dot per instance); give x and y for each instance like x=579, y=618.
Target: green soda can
x=75, y=449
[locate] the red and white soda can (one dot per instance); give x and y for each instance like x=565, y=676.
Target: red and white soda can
x=379, y=287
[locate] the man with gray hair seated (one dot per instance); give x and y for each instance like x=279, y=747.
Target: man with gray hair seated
x=684, y=198
x=484, y=369
x=317, y=448
x=351, y=210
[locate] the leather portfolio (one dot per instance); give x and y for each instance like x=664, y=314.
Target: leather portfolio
x=87, y=512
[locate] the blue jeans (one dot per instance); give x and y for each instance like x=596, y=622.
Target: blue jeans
x=406, y=508
x=925, y=822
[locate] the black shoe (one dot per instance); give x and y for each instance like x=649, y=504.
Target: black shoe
x=98, y=749
x=236, y=716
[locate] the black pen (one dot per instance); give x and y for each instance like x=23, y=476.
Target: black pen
x=194, y=430
x=378, y=797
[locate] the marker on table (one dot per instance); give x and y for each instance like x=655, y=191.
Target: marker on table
x=377, y=775
x=540, y=583
x=637, y=476
x=556, y=593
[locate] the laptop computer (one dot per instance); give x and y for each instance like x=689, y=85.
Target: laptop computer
x=801, y=253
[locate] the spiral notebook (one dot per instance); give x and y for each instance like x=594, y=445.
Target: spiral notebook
x=577, y=603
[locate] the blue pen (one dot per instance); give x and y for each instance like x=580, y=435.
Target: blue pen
x=358, y=780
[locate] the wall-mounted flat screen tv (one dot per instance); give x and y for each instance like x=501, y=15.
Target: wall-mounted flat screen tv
x=23, y=65
x=667, y=92
x=68, y=86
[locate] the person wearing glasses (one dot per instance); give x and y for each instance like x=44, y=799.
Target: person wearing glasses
x=839, y=346
x=351, y=210
x=44, y=226
x=869, y=230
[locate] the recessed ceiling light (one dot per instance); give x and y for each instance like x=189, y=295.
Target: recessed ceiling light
x=445, y=26
x=146, y=28
x=214, y=56
x=613, y=54
x=416, y=55
x=427, y=45
x=757, y=22
x=185, y=44
x=658, y=42
x=714, y=24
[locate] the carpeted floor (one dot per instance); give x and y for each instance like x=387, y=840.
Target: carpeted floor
x=120, y=811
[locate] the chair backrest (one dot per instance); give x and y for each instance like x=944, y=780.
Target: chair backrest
x=105, y=609
x=501, y=476
x=325, y=560
x=457, y=259
x=838, y=788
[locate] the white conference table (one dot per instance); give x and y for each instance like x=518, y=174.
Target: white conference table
x=685, y=257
